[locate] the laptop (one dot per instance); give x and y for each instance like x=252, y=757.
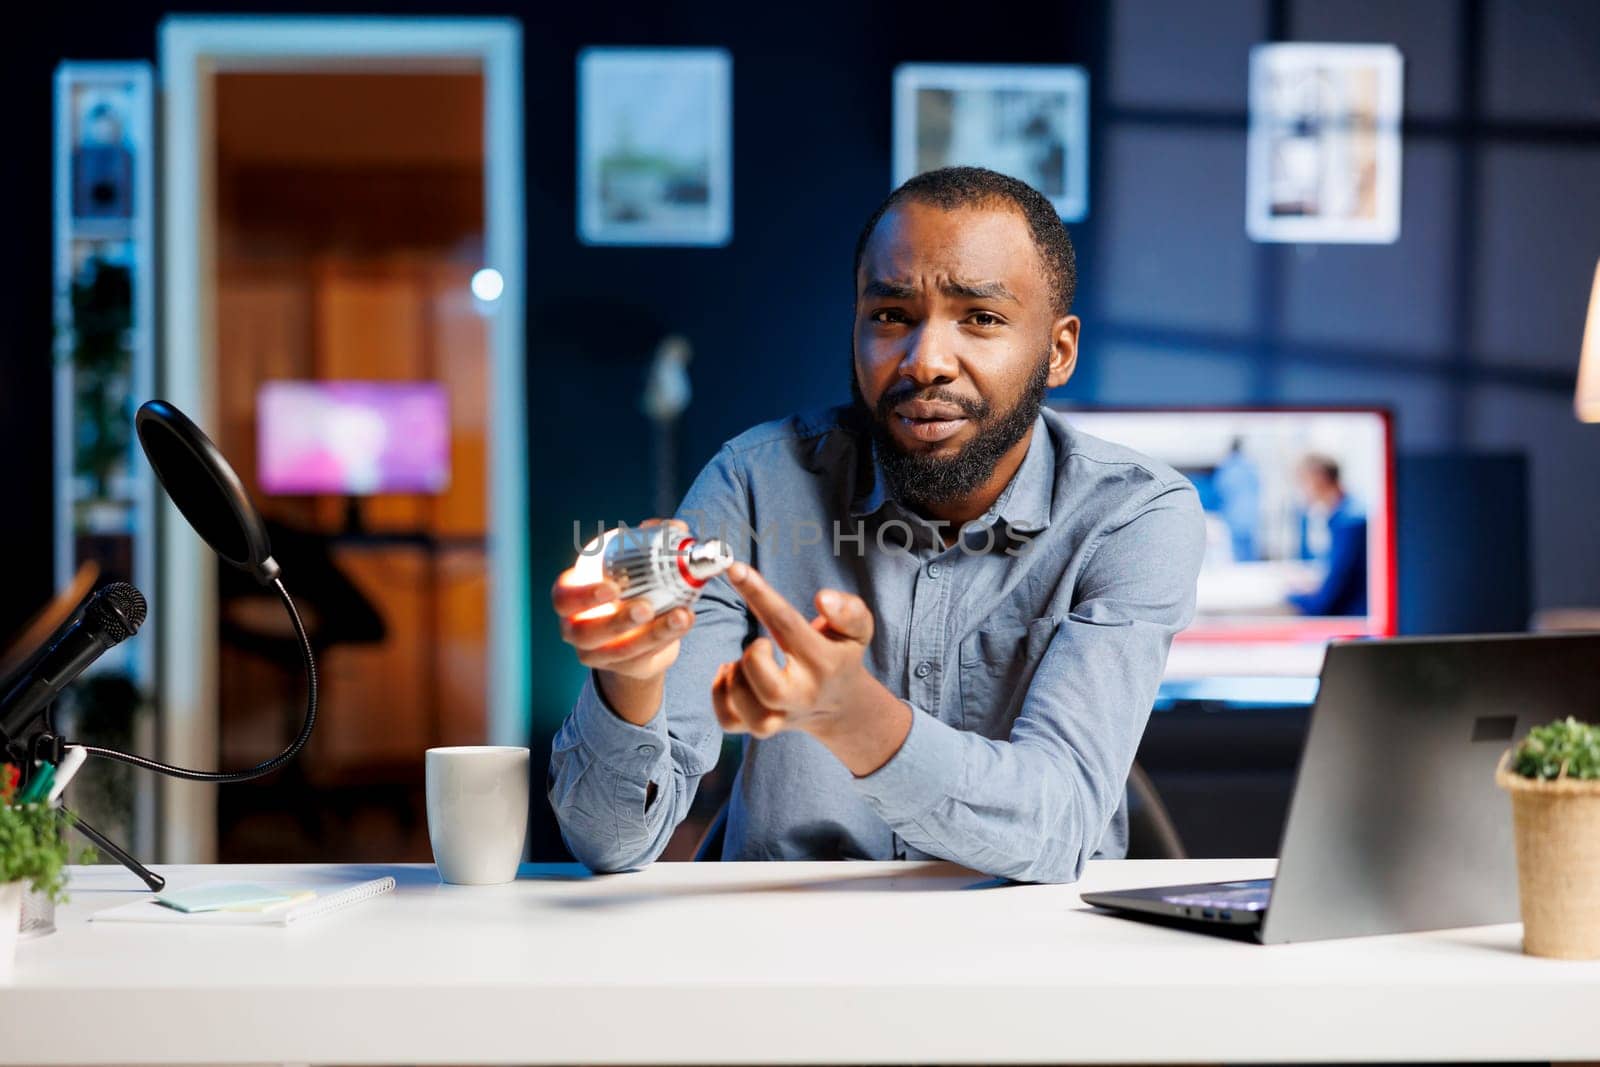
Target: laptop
x=1396, y=824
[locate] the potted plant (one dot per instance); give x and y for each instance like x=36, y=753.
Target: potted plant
x=1553, y=777
x=33, y=854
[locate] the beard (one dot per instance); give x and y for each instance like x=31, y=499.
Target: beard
x=919, y=479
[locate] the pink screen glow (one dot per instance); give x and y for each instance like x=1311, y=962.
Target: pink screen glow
x=353, y=438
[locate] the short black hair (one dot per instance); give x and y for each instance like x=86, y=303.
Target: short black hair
x=958, y=187
x=1324, y=465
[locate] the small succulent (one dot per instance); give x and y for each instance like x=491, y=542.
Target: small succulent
x=1563, y=749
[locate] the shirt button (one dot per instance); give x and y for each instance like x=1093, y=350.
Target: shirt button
x=924, y=669
x=647, y=750
x=934, y=570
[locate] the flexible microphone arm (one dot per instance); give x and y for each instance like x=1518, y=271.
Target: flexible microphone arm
x=260, y=769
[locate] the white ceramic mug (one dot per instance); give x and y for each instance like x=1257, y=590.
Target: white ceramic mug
x=477, y=812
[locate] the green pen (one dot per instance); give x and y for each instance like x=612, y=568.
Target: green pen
x=39, y=785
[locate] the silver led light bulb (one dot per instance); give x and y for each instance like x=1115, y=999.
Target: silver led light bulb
x=662, y=564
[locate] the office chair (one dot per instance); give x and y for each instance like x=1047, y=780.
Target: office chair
x=1152, y=835
x=335, y=612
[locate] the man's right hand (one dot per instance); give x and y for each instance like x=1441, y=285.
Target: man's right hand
x=630, y=652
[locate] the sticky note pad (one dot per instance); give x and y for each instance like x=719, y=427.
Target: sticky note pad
x=215, y=896
x=290, y=899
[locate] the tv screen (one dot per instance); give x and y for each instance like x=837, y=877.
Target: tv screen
x=352, y=438
x=1299, y=530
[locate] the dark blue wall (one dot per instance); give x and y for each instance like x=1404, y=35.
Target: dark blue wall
x=1468, y=326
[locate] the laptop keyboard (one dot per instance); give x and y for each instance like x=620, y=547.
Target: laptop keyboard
x=1246, y=896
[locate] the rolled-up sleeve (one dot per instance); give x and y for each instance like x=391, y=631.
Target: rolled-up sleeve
x=1034, y=806
x=620, y=789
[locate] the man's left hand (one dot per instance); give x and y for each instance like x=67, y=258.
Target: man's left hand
x=822, y=677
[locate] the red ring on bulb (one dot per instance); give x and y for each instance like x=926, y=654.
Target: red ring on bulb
x=683, y=564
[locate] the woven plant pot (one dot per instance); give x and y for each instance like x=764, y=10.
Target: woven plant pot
x=1557, y=824
x=38, y=914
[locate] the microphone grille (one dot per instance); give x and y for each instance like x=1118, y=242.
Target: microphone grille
x=120, y=609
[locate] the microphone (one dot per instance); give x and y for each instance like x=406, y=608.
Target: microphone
x=113, y=614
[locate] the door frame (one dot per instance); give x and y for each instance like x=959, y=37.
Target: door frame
x=192, y=50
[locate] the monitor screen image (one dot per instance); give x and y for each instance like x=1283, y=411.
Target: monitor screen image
x=352, y=438
x=1299, y=523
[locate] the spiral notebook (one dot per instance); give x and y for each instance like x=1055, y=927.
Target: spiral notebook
x=328, y=898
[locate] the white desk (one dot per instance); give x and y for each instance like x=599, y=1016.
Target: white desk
x=744, y=963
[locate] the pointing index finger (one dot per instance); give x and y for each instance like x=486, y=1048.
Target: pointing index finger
x=788, y=627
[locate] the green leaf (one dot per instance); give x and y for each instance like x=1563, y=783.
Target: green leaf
x=33, y=848
x=1563, y=749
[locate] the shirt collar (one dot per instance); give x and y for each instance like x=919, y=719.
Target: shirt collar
x=871, y=492
x=1024, y=504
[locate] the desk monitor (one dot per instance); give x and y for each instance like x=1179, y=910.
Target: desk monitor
x=352, y=438
x=1299, y=512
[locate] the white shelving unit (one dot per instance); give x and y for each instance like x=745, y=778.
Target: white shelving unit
x=104, y=365
x=104, y=243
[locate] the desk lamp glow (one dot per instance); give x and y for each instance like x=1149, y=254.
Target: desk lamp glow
x=1587, y=400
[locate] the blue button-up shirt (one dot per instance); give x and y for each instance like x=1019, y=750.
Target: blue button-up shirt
x=1029, y=650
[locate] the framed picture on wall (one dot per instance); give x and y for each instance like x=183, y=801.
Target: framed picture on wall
x=655, y=146
x=1029, y=122
x=1324, y=146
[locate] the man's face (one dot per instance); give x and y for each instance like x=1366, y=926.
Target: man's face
x=1315, y=486
x=957, y=337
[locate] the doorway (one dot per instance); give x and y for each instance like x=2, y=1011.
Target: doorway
x=344, y=314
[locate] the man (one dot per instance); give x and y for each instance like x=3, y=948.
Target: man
x=1334, y=534
x=995, y=592
x=1238, y=486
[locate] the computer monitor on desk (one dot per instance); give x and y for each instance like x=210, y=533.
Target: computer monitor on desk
x=1300, y=544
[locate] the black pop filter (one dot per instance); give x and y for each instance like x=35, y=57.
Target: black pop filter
x=205, y=488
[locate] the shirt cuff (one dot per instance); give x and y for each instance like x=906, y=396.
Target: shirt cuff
x=927, y=769
x=631, y=751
